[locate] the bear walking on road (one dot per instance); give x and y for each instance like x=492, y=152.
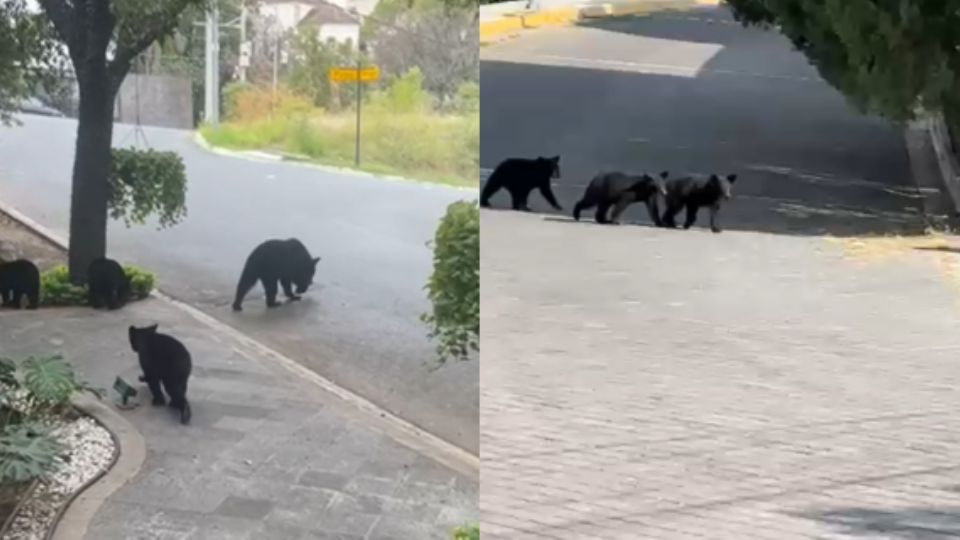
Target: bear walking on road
x=520, y=176
x=619, y=190
x=286, y=262
x=695, y=193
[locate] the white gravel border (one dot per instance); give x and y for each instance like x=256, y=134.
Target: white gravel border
x=89, y=450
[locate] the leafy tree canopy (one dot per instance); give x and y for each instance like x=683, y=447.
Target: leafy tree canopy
x=888, y=57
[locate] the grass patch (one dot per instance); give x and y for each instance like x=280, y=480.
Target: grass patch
x=418, y=143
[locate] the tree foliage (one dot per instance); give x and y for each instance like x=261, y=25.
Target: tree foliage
x=29, y=58
x=311, y=61
x=146, y=182
x=887, y=57
x=441, y=40
x=454, y=286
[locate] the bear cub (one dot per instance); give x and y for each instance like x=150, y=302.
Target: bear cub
x=520, y=176
x=164, y=361
x=18, y=279
x=619, y=190
x=286, y=262
x=108, y=284
x=695, y=193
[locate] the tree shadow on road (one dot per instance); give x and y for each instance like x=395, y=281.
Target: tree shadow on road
x=807, y=163
x=903, y=523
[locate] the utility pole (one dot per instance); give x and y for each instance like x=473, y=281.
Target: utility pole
x=276, y=60
x=212, y=80
x=243, y=40
x=361, y=48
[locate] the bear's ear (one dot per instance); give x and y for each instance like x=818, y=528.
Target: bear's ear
x=152, y=329
x=555, y=159
x=664, y=174
x=731, y=178
x=315, y=261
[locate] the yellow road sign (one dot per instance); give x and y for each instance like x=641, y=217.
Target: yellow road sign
x=367, y=74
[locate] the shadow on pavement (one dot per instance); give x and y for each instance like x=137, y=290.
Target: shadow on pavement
x=902, y=523
x=808, y=164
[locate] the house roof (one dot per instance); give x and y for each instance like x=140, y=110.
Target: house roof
x=327, y=13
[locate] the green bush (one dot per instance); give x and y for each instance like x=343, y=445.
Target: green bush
x=305, y=140
x=468, y=532
x=57, y=290
x=231, y=91
x=454, y=286
x=468, y=98
x=143, y=182
x=141, y=282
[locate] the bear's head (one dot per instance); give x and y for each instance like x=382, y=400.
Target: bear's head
x=553, y=164
x=139, y=336
x=725, y=183
x=649, y=185
x=303, y=281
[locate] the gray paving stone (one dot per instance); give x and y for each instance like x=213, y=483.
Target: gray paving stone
x=393, y=528
x=241, y=507
x=356, y=524
x=332, y=481
x=372, y=485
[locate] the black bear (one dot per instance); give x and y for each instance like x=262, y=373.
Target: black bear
x=19, y=278
x=285, y=261
x=108, y=284
x=164, y=360
x=520, y=176
x=619, y=190
x=695, y=193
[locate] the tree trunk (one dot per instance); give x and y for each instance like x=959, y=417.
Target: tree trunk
x=91, y=170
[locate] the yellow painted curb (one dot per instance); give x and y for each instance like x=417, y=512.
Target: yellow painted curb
x=551, y=17
x=491, y=30
x=514, y=23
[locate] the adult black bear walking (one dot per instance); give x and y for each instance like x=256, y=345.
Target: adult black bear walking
x=107, y=283
x=695, y=193
x=520, y=176
x=164, y=361
x=619, y=190
x=285, y=261
x=19, y=278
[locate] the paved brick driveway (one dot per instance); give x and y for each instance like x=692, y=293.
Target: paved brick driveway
x=643, y=383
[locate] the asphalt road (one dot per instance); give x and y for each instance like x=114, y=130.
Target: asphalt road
x=358, y=326
x=696, y=92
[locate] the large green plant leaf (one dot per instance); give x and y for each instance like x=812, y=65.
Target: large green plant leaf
x=50, y=380
x=27, y=451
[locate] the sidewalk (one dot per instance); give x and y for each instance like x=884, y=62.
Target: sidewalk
x=266, y=456
x=642, y=383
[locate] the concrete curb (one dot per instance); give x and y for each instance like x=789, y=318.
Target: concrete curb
x=74, y=520
x=397, y=428
x=511, y=24
x=302, y=161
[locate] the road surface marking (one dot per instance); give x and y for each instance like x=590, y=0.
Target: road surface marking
x=639, y=67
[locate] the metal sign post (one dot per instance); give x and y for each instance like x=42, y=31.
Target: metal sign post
x=360, y=75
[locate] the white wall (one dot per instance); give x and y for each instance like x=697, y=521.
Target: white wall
x=287, y=14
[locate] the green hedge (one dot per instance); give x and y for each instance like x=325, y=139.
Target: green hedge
x=454, y=286
x=57, y=290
